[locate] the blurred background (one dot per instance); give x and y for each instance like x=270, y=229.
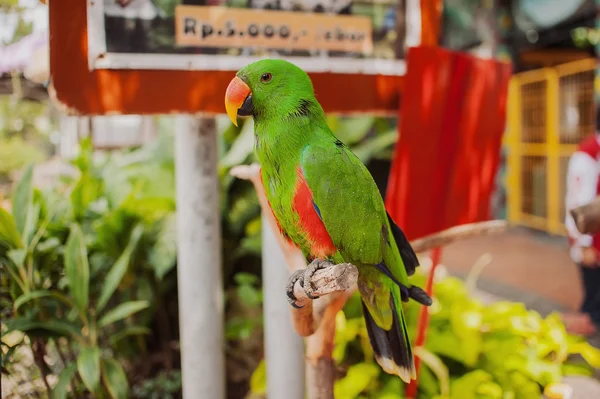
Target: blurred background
x=114, y=176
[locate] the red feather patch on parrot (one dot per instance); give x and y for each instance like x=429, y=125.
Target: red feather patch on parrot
x=311, y=224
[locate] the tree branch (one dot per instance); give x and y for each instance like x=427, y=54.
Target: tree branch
x=587, y=217
x=456, y=233
x=334, y=278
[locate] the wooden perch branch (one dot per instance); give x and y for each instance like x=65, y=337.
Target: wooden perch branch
x=456, y=233
x=587, y=217
x=333, y=279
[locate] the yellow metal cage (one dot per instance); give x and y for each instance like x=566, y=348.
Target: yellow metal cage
x=549, y=111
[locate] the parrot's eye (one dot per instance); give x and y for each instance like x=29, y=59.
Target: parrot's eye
x=266, y=77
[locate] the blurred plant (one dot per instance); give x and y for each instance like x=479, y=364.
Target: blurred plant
x=501, y=350
x=24, y=125
x=164, y=385
x=14, y=9
x=584, y=37
x=24, y=134
x=48, y=305
x=82, y=261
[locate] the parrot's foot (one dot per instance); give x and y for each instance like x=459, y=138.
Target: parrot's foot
x=289, y=289
x=309, y=272
x=304, y=276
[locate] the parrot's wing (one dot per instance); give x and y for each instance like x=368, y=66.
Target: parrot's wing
x=348, y=202
x=409, y=257
x=350, y=206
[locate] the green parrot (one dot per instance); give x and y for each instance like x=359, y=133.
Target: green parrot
x=326, y=202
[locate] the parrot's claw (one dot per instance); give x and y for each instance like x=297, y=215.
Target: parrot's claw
x=311, y=296
x=304, y=276
x=289, y=289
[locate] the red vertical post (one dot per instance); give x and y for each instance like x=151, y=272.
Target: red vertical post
x=436, y=255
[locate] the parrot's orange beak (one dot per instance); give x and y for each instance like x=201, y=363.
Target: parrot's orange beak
x=238, y=99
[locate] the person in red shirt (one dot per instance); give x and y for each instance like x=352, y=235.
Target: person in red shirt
x=583, y=185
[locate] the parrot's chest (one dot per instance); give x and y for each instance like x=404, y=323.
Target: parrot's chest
x=297, y=216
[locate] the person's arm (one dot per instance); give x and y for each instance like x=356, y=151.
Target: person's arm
x=582, y=183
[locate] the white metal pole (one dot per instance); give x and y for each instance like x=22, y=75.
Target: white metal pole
x=284, y=348
x=199, y=271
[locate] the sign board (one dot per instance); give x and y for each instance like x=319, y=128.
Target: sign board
x=118, y=60
x=341, y=36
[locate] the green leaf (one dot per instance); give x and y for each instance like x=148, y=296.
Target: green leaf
x=351, y=130
x=129, y=331
x=474, y=385
x=249, y=295
x=588, y=352
x=577, y=369
x=357, y=379
x=18, y=256
x=8, y=229
x=243, y=278
x=60, y=389
x=88, y=365
x=114, y=379
x=466, y=321
x=122, y=311
x=22, y=204
x=428, y=383
x=116, y=273
x=77, y=268
x=258, y=380
x=346, y=331
x=369, y=149
x=86, y=191
x=55, y=326
x=51, y=244
x=41, y=294
x=31, y=223
x=163, y=255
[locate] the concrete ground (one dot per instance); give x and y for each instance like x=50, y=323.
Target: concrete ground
x=526, y=264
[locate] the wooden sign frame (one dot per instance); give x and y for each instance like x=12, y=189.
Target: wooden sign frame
x=100, y=92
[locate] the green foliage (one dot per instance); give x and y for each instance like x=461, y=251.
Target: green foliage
x=358, y=378
x=15, y=153
x=258, y=381
x=473, y=351
x=114, y=379
x=166, y=385
x=72, y=255
x=88, y=366
x=25, y=127
x=246, y=298
x=584, y=37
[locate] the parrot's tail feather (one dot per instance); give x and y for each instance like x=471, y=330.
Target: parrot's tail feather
x=392, y=348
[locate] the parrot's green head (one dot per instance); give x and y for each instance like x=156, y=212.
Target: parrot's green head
x=269, y=89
